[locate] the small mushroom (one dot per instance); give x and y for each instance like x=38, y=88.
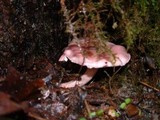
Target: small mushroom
x=85, y=53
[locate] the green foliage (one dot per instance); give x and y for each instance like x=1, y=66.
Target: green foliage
x=128, y=100
x=138, y=18
x=97, y=113
x=100, y=112
x=140, y=23
x=82, y=118
x=92, y=114
x=123, y=105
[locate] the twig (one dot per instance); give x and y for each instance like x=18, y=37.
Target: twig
x=87, y=107
x=37, y=117
x=145, y=84
x=111, y=77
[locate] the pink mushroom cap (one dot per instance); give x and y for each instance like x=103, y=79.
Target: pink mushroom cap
x=81, y=53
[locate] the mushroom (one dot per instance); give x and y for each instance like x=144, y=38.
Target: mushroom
x=89, y=54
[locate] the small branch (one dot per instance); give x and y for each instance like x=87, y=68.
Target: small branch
x=87, y=106
x=111, y=77
x=36, y=116
x=149, y=86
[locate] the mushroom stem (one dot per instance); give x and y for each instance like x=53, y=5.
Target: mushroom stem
x=85, y=78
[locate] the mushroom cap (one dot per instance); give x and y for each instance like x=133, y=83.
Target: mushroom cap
x=82, y=53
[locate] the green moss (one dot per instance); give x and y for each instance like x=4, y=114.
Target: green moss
x=136, y=22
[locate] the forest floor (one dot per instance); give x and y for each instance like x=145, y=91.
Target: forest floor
x=127, y=93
